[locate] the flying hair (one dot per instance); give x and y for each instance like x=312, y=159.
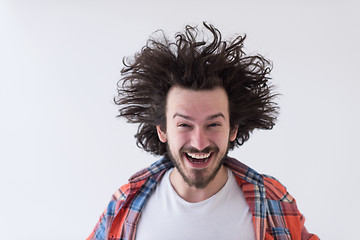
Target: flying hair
x=198, y=62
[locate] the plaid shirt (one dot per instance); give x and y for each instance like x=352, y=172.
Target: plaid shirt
x=274, y=210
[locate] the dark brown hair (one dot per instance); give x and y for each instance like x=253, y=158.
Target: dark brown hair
x=197, y=64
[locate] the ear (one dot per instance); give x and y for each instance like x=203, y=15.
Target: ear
x=161, y=134
x=233, y=133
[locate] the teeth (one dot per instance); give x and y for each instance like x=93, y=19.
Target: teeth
x=199, y=155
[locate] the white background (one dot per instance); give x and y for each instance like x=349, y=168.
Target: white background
x=63, y=151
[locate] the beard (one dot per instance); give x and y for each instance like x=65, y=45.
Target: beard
x=200, y=177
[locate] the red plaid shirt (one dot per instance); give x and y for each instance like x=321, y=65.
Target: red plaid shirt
x=274, y=210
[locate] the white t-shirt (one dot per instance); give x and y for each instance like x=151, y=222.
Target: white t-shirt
x=225, y=215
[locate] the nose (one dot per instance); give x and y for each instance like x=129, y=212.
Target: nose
x=199, y=139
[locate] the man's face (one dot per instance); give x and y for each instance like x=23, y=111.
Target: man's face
x=197, y=133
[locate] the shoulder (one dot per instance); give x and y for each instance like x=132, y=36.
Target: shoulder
x=121, y=193
x=274, y=190
x=122, y=200
x=137, y=180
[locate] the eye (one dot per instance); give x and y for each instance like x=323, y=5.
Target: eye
x=214, y=125
x=183, y=125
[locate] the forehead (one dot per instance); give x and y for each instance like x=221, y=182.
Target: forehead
x=197, y=103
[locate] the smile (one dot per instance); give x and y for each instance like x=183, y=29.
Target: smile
x=198, y=158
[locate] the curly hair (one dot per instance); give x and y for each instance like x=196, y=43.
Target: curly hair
x=196, y=64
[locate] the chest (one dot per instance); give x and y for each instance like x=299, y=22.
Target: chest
x=225, y=215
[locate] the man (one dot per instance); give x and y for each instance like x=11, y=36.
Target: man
x=194, y=101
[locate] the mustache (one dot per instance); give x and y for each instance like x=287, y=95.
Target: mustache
x=195, y=150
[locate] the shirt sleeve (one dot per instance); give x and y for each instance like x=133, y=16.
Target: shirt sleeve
x=102, y=227
x=305, y=235
x=99, y=231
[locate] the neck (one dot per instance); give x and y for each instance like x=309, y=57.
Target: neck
x=193, y=194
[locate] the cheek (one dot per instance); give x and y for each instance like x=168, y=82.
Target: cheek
x=221, y=139
x=177, y=140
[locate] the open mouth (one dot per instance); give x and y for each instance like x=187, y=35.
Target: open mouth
x=198, y=158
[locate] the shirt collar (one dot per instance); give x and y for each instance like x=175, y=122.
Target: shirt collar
x=154, y=170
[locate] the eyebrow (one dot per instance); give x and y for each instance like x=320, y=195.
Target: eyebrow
x=211, y=117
